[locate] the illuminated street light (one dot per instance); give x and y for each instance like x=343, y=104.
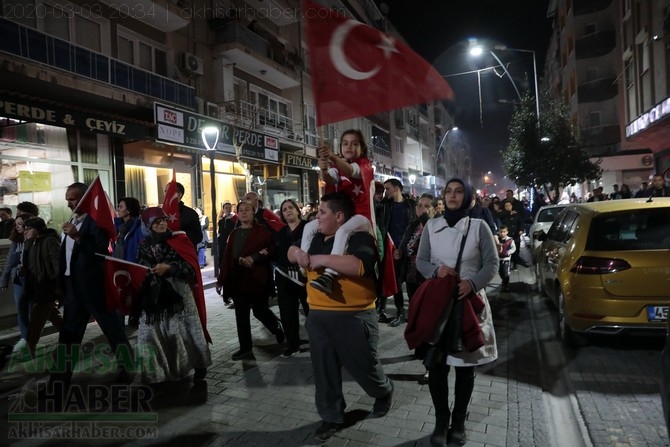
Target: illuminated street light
x=412, y=180
x=210, y=138
x=478, y=50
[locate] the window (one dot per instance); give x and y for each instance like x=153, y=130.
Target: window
x=136, y=50
x=63, y=21
x=647, y=229
x=310, y=129
x=274, y=110
x=561, y=229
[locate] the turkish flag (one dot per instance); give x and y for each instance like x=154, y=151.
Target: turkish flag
x=123, y=281
x=171, y=204
x=359, y=71
x=96, y=204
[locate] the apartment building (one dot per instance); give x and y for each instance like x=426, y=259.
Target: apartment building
x=599, y=61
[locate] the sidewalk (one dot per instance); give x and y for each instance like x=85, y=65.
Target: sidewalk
x=269, y=401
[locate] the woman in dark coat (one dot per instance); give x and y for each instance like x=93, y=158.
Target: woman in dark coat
x=40, y=269
x=291, y=291
x=246, y=277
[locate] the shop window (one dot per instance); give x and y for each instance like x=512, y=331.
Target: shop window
x=230, y=183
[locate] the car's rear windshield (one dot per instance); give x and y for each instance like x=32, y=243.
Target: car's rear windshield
x=549, y=215
x=637, y=229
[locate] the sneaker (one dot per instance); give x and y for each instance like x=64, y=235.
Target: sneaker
x=400, y=319
x=20, y=345
x=326, y=430
x=239, y=355
x=383, y=318
x=456, y=435
x=289, y=352
x=323, y=283
x=383, y=404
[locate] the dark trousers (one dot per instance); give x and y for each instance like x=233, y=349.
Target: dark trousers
x=439, y=392
x=289, y=297
x=39, y=314
x=259, y=305
x=503, y=271
x=340, y=339
x=76, y=315
x=399, y=297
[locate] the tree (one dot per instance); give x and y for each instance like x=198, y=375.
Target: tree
x=549, y=156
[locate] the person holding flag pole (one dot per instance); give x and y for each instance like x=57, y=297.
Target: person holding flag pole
x=85, y=236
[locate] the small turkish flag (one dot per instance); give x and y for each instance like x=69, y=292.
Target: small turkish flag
x=123, y=281
x=96, y=204
x=171, y=204
x=359, y=71
x=389, y=285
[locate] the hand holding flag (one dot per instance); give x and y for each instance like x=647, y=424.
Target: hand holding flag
x=96, y=204
x=123, y=281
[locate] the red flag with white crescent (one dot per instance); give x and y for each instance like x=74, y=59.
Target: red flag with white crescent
x=358, y=70
x=171, y=204
x=123, y=281
x=96, y=204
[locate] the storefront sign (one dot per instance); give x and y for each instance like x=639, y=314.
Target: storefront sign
x=175, y=126
x=300, y=161
x=657, y=112
x=36, y=112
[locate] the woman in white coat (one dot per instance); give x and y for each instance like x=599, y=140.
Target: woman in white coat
x=436, y=258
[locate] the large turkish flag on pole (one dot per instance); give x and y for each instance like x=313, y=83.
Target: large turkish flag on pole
x=171, y=204
x=358, y=70
x=96, y=204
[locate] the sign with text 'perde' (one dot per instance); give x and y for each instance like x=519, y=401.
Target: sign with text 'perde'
x=176, y=126
x=32, y=110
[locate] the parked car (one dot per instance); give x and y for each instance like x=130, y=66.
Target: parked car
x=544, y=217
x=606, y=266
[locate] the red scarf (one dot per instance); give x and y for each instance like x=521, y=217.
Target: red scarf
x=183, y=245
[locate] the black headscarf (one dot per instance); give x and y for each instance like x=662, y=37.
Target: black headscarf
x=453, y=216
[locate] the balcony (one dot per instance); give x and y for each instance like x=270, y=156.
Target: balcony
x=604, y=135
x=62, y=55
x=598, y=90
x=595, y=44
x=252, y=116
x=589, y=6
x=262, y=56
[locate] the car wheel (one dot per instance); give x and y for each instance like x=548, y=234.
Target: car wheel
x=565, y=332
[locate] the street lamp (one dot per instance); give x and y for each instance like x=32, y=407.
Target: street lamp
x=412, y=179
x=210, y=137
x=477, y=50
x=439, y=151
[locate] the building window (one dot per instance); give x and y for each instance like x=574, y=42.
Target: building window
x=136, y=50
x=310, y=123
x=273, y=111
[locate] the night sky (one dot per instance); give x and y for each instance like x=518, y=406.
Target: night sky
x=440, y=30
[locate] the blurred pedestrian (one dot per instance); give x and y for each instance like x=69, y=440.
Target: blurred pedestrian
x=129, y=229
x=40, y=269
x=6, y=222
x=290, y=282
x=202, y=245
x=506, y=248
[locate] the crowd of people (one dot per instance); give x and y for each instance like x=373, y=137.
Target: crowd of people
x=338, y=260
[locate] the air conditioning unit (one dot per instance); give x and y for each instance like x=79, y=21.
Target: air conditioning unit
x=191, y=63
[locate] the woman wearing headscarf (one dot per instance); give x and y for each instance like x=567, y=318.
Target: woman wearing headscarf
x=436, y=258
x=129, y=229
x=40, y=270
x=172, y=321
x=246, y=277
x=291, y=291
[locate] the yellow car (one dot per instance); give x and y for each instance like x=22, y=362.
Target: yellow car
x=606, y=265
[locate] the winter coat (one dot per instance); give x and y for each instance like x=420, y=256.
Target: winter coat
x=40, y=267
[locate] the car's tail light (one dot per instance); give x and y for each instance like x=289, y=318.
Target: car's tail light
x=588, y=265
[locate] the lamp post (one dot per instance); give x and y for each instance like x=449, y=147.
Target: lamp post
x=439, y=151
x=412, y=179
x=477, y=50
x=210, y=137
